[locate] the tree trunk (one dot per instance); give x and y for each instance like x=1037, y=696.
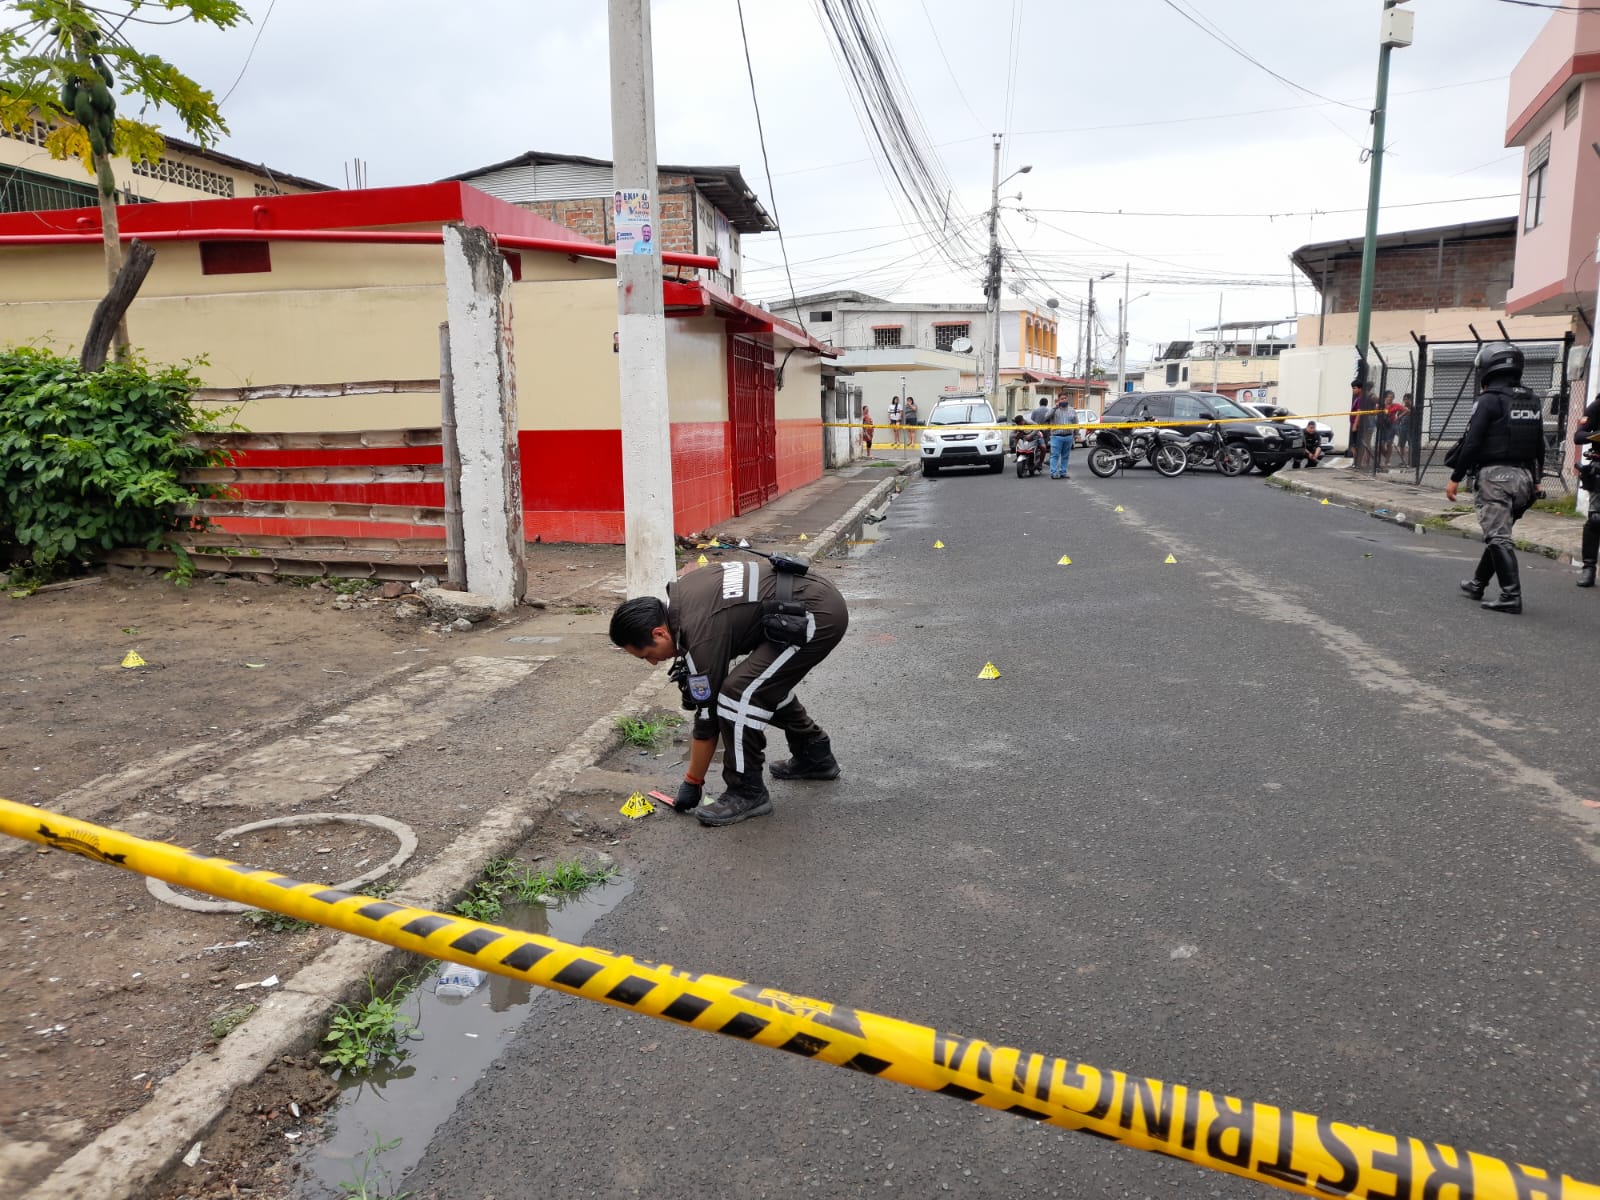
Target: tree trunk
x=111, y=234
x=108, y=320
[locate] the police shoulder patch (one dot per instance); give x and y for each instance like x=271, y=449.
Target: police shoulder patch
x=700, y=687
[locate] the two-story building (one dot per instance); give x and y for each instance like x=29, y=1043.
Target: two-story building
x=32, y=181
x=926, y=349
x=699, y=210
x=1239, y=360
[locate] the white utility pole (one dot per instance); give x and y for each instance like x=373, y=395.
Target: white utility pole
x=1122, y=332
x=1216, y=344
x=641, y=322
x=992, y=288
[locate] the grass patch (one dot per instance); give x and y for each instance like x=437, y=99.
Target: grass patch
x=1563, y=505
x=369, y=1033
x=371, y=1180
x=647, y=732
x=276, y=922
x=502, y=877
x=229, y=1019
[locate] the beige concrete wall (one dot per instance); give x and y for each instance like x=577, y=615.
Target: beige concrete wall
x=697, y=369
x=800, y=397
x=1448, y=324
x=20, y=152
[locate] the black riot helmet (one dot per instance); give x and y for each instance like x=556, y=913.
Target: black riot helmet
x=1499, y=362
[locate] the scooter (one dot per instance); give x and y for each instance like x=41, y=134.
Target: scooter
x=1029, y=450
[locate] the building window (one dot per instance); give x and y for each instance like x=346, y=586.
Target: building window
x=822, y=318
x=1538, y=166
x=1172, y=374
x=186, y=175
x=946, y=336
x=886, y=335
x=268, y=189
x=234, y=258
x=1572, y=108
x=1184, y=374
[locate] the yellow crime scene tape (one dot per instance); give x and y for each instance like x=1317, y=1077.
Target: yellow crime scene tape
x=1291, y=1150
x=1008, y=425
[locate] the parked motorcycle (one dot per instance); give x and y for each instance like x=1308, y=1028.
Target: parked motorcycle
x=1209, y=448
x=1030, y=451
x=1115, y=450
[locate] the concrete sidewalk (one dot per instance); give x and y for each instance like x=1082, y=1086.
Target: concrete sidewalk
x=1393, y=497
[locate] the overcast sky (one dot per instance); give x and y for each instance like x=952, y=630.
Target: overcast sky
x=1125, y=107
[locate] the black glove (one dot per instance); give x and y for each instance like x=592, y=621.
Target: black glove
x=689, y=796
x=678, y=672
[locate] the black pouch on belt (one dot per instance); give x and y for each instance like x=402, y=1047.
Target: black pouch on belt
x=783, y=619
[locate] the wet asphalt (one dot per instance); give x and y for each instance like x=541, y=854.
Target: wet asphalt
x=1287, y=819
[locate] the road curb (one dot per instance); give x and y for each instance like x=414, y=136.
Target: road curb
x=1376, y=510
x=825, y=541
x=139, y=1150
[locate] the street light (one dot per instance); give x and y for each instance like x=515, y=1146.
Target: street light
x=992, y=288
x=1396, y=30
x=1123, y=306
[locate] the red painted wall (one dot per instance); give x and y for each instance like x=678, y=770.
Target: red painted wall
x=571, y=482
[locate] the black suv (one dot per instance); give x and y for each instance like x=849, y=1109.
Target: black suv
x=1270, y=444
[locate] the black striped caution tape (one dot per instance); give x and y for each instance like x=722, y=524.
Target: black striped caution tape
x=1291, y=1150
x=1013, y=428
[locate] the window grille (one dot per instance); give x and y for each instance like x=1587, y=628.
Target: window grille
x=886, y=335
x=268, y=189
x=945, y=336
x=187, y=175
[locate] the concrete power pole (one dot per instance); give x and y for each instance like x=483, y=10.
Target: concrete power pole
x=992, y=286
x=641, y=322
x=1122, y=332
x=1394, y=31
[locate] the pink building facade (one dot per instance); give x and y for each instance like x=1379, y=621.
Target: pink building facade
x=1553, y=114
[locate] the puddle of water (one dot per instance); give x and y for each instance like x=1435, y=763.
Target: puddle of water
x=462, y=1036
x=862, y=536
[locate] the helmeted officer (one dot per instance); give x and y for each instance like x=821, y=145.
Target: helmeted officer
x=1589, y=475
x=786, y=621
x=1504, y=445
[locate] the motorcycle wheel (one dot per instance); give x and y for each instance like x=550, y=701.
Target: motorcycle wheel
x=1234, y=460
x=1022, y=466
x=1169, y=460
x=1102, y=462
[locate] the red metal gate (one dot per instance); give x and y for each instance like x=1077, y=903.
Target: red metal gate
x=752, y=415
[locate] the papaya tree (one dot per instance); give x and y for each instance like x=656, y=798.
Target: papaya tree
x=62, y=63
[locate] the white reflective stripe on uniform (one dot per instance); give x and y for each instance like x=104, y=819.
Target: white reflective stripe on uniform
x=752, y=590
x=789, y=699
x=734, y=716
x=739, y=722
x=811, y=624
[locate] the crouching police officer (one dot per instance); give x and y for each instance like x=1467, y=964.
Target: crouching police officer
x=1586, y=434
x=1504, y=445
x=786, y=621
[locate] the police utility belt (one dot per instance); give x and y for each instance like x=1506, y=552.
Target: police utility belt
x=783, y=618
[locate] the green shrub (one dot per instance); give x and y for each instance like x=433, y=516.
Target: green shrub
x=91, y=461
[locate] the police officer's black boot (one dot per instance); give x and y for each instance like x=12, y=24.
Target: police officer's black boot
x=1475, y=586
x=812, y=760
x=1591, y=547
x=1505, y=566
x=746, y=796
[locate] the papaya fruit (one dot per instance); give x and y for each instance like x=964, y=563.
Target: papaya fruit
x=83, y=108
x=100, y=97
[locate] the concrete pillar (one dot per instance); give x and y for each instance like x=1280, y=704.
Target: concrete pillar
x=483, y=371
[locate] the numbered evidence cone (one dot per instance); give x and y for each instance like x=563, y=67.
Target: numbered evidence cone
x=990, y=671
x=1324, y=499
x=1063, y=561
x=636, y=806
x=702, y=561
x=1168, y=559
x=132, y=659
x=937, y=544
x=1118, y=508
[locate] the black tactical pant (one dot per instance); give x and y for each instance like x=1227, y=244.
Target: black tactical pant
x=759, y=693
x=1503, y=494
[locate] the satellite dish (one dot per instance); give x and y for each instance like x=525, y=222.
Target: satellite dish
x=962, y=345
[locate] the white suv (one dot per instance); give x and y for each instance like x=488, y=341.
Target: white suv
x=961, y=433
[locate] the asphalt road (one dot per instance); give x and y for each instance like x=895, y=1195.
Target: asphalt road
x=1288, y=819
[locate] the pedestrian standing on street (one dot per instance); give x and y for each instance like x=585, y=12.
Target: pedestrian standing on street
x=785, y=622
x=866, y=431
x=1383, y=426
x=1362, y=404
x=909, y=415
x=1061, y=439
x=1504, y=445
x=894, y=420
x=1400, y=420
x=1589, y=476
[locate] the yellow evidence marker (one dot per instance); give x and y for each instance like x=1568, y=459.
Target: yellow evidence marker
x=803, y=538
x=132, y=659
x=636, y=806
x=1117, y=509
x=1324, y=499
x=702, y=561
x=1169, y=559
x=990, y=671
x=1063, y=561
x=937, y=544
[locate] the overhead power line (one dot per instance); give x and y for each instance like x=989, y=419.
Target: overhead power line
x=772, y=195
x=1308, y=212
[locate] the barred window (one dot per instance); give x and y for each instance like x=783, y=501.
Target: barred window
x=886, y=335
x=33, y=133
x=945, y=336
x=268, y=189
x=184, y=174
